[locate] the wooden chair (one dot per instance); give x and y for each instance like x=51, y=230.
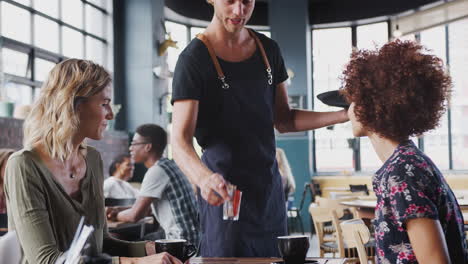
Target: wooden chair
x=320, y=217
x=359, y=188
x=3, y=224
x=355, y=236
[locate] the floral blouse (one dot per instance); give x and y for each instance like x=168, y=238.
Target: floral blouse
x=409, y=186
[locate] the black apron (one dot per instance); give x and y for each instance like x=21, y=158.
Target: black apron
x=244, y=153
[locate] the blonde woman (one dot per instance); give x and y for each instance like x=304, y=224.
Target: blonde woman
x=4, y=154
x=287, y=178
x=56, y=178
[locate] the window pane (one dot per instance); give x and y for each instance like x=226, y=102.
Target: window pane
x=370, y=162
x=372, y=35
x=178, y=33
x=42, y=69
x=15, y=62
x=46, y=34
x=94, y=50
x=16, y=23
x=436, y=141
x=94, y=21
x=459, y=104
x=331, y=51
x=72, y=13
x=18, y=93
x=24, y=2
x=49, y=7
x=100, y=3
x=72, y=42
x=195, y=30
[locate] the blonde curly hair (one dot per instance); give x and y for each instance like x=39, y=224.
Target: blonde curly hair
x=53, y=120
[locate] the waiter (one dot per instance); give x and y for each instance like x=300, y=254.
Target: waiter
x=229, y=92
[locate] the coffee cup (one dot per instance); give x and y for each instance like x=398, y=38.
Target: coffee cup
x=178, y=248
x=293, y=249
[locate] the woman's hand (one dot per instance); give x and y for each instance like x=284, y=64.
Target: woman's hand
x=150, y=247
x=213, y=189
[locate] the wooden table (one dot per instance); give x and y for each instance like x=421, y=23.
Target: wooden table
x=121, y=225
x=370, y=204
x=258, y=260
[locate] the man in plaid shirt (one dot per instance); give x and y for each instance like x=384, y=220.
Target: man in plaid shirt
x=165, y=189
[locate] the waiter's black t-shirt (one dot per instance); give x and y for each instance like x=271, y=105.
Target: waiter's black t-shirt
x=195, y=78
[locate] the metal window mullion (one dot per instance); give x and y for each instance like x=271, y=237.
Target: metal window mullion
x=83, y=16
x=449, y=111
x=60, y=25
x=312, y=93
x=357, y=141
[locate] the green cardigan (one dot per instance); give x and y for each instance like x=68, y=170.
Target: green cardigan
x=45, y=217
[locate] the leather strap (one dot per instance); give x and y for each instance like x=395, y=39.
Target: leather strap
x=220, y=72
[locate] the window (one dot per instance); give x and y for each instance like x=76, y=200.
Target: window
x=18, y=93
x=94, y=21
x=178, y=33
x=15, y=23
x=458, y=47
x=331, y=50
x=94, y=50
x=72, y=43
x=42, y=69
x=48, y=7
x=15, y=63
x=195, y=30
x=35, y=31
x=436, y=143
x=447, y=148
x=372, y=35
x=46, y=34
x=72, y=13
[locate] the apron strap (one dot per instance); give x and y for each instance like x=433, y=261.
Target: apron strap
x=220, y=72
x=264, y=56
x=221, y=75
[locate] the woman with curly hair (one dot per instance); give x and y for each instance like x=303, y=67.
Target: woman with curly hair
x=397, y=92
x=56, y=178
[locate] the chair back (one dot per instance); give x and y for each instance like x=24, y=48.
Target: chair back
x=356, y=235
x=359, y=188
x=119, y=202
x=335, y=204
x=10, y=249
x=321, y=216
x=3, y=221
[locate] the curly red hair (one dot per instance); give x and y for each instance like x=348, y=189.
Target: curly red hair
x=398, y=91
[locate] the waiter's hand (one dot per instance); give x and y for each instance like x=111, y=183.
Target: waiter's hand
x=213, y=189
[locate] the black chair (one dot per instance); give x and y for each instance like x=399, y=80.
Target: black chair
x=119, y=202
x=3, y=224
x=359, y=188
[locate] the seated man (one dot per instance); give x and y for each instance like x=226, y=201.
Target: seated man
x=165, y=188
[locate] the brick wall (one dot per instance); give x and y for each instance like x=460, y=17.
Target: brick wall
x=113, y=144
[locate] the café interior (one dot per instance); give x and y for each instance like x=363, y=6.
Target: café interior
x=139, y=42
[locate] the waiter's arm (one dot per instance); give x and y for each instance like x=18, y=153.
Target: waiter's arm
x=292, y=120
x=184, y=120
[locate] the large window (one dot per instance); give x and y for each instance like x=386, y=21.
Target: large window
x=331, y=51
x=370, y=36
x=446, y=145
x=35, y=35
x=458, y=50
